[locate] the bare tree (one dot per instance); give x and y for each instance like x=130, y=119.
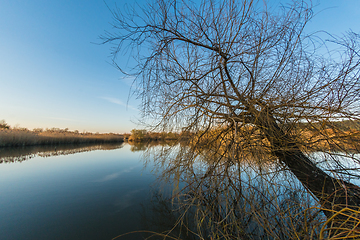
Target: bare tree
x=253, y=74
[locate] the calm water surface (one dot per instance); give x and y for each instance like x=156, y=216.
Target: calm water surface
x=89, y=195
x=103, y=191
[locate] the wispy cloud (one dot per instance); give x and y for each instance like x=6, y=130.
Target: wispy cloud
x=130, y=81
x=114, y=100
x=63, y=119
x=118, y=102
x=109, y=177
x=127, y=200
x=113, y=176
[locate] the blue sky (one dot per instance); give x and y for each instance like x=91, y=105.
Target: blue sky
x=53, y=75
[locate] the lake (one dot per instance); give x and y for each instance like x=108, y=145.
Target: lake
x=104, y=191
x=86, y=195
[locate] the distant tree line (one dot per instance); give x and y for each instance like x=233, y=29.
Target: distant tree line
x=141, y=135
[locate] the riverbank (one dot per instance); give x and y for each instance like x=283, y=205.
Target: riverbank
x=24, y=137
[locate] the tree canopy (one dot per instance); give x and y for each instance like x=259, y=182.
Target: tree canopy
x=254, y=74
x=222, y=60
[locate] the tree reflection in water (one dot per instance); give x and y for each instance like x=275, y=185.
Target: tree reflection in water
x=215, y=197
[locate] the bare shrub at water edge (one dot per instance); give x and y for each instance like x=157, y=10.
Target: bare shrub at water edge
x=254, y=83
x=144, y=135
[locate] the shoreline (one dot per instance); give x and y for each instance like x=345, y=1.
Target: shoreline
x=19, y=138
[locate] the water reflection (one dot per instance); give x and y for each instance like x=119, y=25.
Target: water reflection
x=215, y=197
x=19, y=154
x=142, y=146
x=88, y=195
x=198, y=194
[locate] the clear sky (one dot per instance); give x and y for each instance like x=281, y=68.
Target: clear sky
x=53, y=75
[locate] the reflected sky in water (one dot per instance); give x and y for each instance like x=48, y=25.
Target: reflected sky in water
x=101, y=194
x=90, y=195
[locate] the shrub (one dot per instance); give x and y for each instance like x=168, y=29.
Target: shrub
x=4, y=125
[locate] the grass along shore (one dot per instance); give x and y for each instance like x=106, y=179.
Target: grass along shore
x=24, y=137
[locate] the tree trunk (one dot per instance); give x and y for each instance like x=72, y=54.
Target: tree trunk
x=332, y=193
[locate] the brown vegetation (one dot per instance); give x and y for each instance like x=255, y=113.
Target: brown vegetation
x=144, y=135
x=24, y=137
x=310, y=138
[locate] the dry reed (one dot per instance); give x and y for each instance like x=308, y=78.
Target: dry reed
x=23, y=137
